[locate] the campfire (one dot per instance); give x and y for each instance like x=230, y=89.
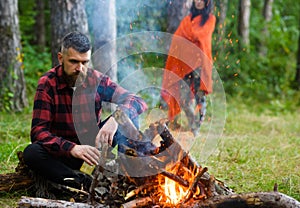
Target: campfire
x=152, y=176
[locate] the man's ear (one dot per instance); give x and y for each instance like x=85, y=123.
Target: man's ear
x=60, y=57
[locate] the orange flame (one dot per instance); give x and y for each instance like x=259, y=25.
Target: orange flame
x=173, y=191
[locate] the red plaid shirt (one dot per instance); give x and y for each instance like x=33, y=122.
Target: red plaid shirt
x=58, y=110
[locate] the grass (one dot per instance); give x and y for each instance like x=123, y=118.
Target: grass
x=255, y=151
x=258, y=150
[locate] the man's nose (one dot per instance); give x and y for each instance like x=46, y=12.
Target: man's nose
x=79, y=67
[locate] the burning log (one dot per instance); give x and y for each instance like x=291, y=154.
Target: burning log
x=193, y=186
x=175, y=178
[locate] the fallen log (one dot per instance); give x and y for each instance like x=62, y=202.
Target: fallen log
x=26, y=202
x=245, y=200
x=249, y=200
x=14, y=181
x=19, y=180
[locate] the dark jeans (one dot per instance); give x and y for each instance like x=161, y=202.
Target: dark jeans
x=57, y=169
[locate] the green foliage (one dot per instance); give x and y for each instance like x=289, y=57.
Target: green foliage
x=27, y=21
x=35, y=64
x=244, y=71
x=27, y=15
x=36, y=60
x=7, y=99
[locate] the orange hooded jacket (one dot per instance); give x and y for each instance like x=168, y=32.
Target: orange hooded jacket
x=190, y=48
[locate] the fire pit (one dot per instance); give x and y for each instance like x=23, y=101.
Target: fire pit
x=168, y=177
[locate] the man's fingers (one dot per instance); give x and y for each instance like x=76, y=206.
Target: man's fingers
x=104, y=137
x=91, y=157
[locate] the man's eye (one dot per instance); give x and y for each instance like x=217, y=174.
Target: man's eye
x=77, y=62
x=74, y=61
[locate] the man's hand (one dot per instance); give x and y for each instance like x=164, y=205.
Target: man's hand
x=87, y=153
x=107, y=132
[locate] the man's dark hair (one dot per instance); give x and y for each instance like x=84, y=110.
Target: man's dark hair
x=204, y=12
x=76, y=40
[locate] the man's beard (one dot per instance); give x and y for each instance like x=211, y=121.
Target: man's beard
x=74, y=79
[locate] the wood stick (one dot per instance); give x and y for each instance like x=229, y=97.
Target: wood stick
x=99, y=169
x=139, y=202
x=138, y=190
x=175, y=178
x=191, y=189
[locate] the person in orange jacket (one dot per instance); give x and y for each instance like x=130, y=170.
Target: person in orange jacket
x=188, y=71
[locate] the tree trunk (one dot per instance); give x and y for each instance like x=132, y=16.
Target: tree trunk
x=297, y=79
x=244, y=22
x=40, y=30
x=66, y=16
x=104, y=29
x=12, y=82
x=220, y=25
x=177, y=9
x=267, y=13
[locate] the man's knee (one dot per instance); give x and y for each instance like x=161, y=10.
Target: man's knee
x=33, y=154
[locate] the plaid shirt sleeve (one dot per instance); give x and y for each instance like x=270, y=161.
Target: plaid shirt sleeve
x=130, y=103
x=45, y=128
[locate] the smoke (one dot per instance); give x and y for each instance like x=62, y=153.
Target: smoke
x=140, y=15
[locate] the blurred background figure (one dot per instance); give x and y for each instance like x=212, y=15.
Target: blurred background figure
x=188, y=75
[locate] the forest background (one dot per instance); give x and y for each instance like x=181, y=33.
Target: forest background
x=256, y=53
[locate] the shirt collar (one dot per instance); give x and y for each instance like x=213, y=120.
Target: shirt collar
x=61, y=81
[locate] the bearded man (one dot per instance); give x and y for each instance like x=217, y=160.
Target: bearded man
x=72, y=92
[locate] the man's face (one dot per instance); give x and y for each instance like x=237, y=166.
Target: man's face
x=74, y=65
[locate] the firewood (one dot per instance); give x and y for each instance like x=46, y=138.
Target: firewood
x=192, y=187
x=175, y=178
x=26, y=202
x=99, y=168
x=138, y=190
x=139, y=202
